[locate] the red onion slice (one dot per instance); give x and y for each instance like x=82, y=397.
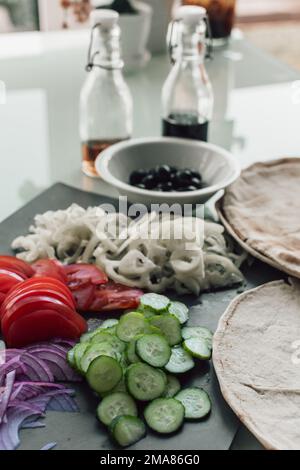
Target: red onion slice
x=5, y=397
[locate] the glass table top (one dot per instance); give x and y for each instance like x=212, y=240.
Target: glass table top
x=256, y=114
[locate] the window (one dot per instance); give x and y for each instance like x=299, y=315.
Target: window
x=267, y=10
x=19, y=15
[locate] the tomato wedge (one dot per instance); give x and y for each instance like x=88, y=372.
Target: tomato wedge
x=115, y=297
x=40, y=326
x=84, y=297
x=24, y=307
x=16, y=265
x=83, y=274
x=49, y=268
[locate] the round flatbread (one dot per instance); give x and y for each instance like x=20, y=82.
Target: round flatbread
x=256, y=355
x=261, y=210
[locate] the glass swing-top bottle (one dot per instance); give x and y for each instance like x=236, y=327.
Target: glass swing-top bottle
x=105, y=99
x=187, y=96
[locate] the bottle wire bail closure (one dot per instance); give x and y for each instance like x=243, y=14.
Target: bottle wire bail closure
x=91, y=57
x=172, y=39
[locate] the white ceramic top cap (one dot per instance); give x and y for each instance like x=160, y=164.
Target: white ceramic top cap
x=106, y=18
x=190, y=14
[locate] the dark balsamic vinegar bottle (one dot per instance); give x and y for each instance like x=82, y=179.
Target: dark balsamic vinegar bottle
x=187, y=96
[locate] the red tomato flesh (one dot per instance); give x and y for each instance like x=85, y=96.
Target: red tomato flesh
x=40, y=326
x=84, y=274
x=49, y=268
x=14, y=263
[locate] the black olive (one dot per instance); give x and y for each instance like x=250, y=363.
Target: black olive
x=196, y=174
x=141, y=186
x=149, y=181
x=181, y=189
x=163, y=173
x=137, y=176
x=196, y=182
x=167, y=186
x=191, y=188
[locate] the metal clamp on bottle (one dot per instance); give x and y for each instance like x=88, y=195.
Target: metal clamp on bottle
x=199, y=15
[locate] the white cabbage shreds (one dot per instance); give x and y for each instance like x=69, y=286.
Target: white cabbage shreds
x=156, y=253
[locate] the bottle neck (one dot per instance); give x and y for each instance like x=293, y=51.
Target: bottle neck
x=107, y=48
x=192, y=47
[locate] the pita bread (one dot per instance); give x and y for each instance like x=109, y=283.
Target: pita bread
x=261, y=210
x=256, y=355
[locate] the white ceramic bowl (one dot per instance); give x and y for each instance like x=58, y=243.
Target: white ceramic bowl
x=218, y=167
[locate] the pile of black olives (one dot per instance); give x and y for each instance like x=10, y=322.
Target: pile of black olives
x=167, y=178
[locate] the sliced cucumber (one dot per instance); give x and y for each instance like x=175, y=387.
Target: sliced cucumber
x=109, y=323
x=106, y=348
x=100, y=335
x=164, y=415
x=130, y=325
x=71, y=357
x=114, y=405
x=131, y=354
x=180, y=311
x=103, y=374
x=79, y=351
x=173, y=386
x=127, y=430
x=86, y=337
x=198, y=332
x=120, y=387
x=169, y=326
x=154, y=302
x=180, y=361
x=196, y=402
x=153, y=349
x=144, y=382
x=197, y=347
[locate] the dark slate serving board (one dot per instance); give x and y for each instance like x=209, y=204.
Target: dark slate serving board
x=81, y=431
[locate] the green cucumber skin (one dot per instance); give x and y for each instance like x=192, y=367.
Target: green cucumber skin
x=105, y=411
x=196, y=415
x=123, y=438
x=165, y=426
x=101, y=386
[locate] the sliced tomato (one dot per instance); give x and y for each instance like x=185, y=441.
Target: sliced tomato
x=83, y=297
x=40, y=326
x=23, y=307
x=8, y=280
x=83, y=274
x=114, y=296
x=16, y=264
x=38, y=283
x=49, y=268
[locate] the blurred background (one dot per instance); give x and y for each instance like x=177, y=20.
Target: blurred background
x=273, y=25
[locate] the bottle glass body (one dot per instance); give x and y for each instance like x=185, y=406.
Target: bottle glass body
x=187, y=97
x=105, y=100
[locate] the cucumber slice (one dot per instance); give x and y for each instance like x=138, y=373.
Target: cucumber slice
x=180, y=361
x=106, y=348
x=153, y=349
x=173, y=386
x=130, y=325
x=164, y=415
x=154, y=302
x=116, y=404
x=100, y=336
x=109, y=323
x=180, y=311
x=120, y=387
x=79, y=351
x=71, y=357
x=127, y=430
x=144, y=382
x=131, y=355
x=86, y=337
x=196, y=402
x=103, y=374
x=169, y=326
x=198, y=332
x=197, y=347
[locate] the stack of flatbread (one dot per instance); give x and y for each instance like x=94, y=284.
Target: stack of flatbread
x=257, y=361
x=261, y=210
